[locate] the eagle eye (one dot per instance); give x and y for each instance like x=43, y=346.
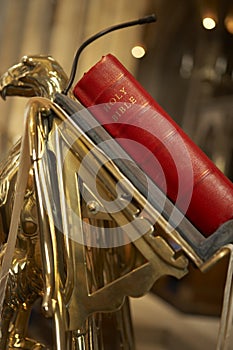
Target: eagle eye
x=28, y=61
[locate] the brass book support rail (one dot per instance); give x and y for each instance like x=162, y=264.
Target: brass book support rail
x=78, y=232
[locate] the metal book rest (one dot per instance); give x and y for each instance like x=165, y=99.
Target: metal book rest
x=80, y=230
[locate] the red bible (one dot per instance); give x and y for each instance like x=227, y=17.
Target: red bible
x=157, y=144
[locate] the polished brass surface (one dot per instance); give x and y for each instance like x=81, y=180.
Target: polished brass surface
x=71, y=299
x=33, y=76
x=64, y=255
x=32, y=273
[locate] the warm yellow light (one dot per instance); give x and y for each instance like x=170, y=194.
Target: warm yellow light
x=229, y=23
x=208, y=23
x=138, y=51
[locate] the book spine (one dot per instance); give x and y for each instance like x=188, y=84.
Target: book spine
x=157, y=144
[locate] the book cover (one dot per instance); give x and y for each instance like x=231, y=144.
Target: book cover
x=157, y=144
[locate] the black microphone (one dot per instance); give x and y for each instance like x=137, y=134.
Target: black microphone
x=143, y=20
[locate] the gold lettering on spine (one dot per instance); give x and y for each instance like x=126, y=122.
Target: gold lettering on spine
x=132, y=99
x=122, y=90
x=124, y=106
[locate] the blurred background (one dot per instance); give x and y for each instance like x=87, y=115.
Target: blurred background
x=185, y=61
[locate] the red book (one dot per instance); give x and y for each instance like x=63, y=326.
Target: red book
x=157, y=144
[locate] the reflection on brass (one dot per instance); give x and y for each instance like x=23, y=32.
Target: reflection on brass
x=65, y=256
x=33, y=76
x=42, y=76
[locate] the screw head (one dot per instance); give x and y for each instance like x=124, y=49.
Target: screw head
x=93, y=207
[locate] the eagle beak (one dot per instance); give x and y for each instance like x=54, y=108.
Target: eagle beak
x=3, y=92
x=13, y=87
x=5, y=82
